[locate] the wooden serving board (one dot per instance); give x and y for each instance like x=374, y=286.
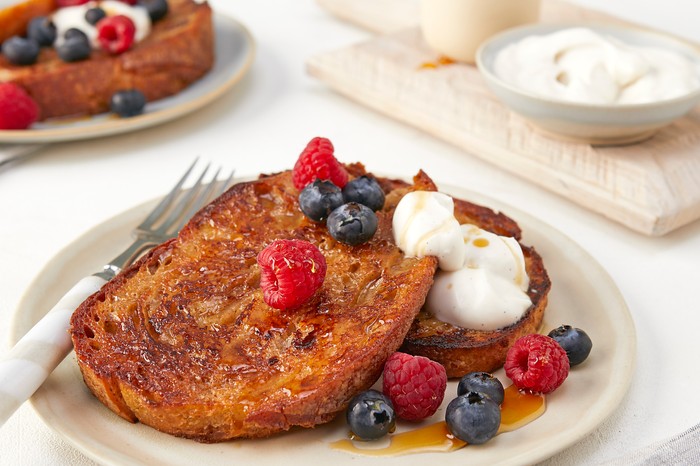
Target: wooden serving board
x=652, y=187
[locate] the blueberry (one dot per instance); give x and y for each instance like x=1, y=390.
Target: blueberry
x=157, y=9
x=94, y=15
x=21, y=51
x=74, y=49
x=128, y=103
x=352, y=223
x=42, y=30
x=575, y=342
x=364, y=190
x=473, y=417
x=318, y=199
x=370, y=415
x=75, y=33
x=484, y=383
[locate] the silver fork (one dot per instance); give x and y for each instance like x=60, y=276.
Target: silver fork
x=41, y=350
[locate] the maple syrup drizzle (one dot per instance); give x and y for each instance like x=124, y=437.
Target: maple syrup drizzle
x=480, y=242
x=441, y=61
x=517, y=410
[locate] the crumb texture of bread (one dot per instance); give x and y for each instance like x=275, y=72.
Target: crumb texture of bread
x=182, y=340
x=178, y=51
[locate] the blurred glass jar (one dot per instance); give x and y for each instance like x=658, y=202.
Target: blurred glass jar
x=456, y=28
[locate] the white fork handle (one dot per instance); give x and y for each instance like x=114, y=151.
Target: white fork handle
x=41, y=350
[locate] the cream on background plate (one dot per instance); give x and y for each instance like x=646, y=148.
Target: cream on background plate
x=234, y=52
x=582, y=295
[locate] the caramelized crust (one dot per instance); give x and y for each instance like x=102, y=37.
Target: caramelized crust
x=15, y=18
x=182, y=340
x=463, y=350
x=178, y=51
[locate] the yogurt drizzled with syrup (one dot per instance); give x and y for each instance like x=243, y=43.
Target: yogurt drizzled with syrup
x=481, y=282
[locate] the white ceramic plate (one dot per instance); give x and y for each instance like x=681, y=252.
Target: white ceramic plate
x=582, y=295
x=234, y=52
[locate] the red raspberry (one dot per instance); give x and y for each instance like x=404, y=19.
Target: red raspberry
x=64, y=3
x=537, y=363
x=129, y=2
x=290, y=272
x=415, y=384
x=317, y=161
x=17, y=109
x=116, y=33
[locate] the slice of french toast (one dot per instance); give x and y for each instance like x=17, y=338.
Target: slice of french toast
x=14, y=18
x=463, y=350
x=183, y=341
x=178, y=51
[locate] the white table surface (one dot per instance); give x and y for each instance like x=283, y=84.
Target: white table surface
x=261, y=126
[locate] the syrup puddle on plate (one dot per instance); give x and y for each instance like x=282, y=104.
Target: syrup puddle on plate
x=517, y=410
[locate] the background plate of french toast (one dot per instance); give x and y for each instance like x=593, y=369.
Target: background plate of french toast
x=185, y=63
x=582, y=294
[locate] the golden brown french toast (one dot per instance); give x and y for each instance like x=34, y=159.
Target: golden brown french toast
x=178, y=51
x=183, y=341
x=463, y=350
x=14, y=18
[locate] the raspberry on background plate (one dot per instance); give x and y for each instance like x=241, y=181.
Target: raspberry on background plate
x=17, y=108
x=116, y=33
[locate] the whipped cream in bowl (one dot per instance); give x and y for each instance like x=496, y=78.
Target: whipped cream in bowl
x=592, y=83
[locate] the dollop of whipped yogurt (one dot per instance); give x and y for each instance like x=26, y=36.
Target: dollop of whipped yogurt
x=424, y=225
x=481, y=282
x=74, y=17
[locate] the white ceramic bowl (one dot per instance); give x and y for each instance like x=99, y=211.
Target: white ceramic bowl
x=589, y=123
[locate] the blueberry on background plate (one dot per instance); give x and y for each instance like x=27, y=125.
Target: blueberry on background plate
x=364, y=190
x=318, y=199
x=370, y=415
x=352, y=223
x=76, y=48
x=575, y=342
x=473, y=417
x=75, y=33
x=157, y=9
x=42, y=30
x=20, y=50
x=128, y=103
x=94, y=15
x=484, y=383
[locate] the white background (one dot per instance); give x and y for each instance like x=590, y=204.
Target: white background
x=49, y=200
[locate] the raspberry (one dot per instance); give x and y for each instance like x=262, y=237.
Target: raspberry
x=415, y=384
x=64, y=3
x=116, y=33
x=290, y=272
x=317, y=161
x=17, y=109
x=537, y=363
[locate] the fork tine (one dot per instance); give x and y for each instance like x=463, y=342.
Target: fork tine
x=198, y=202
x=224, y=185
x=213, y=190
x=167, y=200
x=180, y=209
